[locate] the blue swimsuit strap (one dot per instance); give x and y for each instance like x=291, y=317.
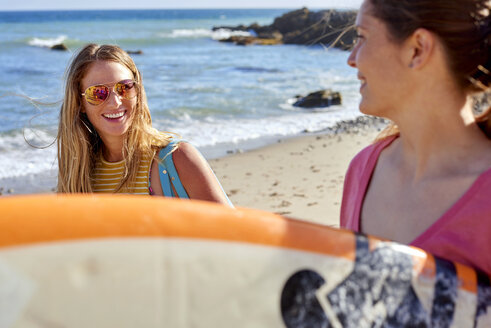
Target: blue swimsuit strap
x=168, y=173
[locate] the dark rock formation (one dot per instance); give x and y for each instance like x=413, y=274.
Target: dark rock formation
x=326, y=27
x=60, y=47
x=134, y=52
x=322, y=98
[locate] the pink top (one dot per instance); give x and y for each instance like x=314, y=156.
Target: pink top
x=462, y=234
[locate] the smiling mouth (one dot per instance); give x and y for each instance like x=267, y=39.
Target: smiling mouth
x=114, y=115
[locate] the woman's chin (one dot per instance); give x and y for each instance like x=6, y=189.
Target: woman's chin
x=364, y=109
x=368, y=109
x=113, y=133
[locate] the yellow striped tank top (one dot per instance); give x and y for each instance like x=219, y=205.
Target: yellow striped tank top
x=107, y=176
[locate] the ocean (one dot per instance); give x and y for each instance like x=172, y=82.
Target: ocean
x=218, y=96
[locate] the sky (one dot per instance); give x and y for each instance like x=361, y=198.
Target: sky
x=171, y=4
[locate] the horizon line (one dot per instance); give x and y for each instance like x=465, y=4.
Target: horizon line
x=190, y=8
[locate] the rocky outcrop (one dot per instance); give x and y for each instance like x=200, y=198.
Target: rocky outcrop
x=326, y=27
x=322, y=98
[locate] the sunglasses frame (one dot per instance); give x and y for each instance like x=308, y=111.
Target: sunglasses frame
x=111, y=89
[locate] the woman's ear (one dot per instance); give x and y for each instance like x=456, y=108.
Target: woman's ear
x=421, y=45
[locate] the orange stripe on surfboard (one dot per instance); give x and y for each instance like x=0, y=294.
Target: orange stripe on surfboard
x=467, y=277
x=49, y=218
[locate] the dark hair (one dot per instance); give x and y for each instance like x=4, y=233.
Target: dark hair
x=463, y=26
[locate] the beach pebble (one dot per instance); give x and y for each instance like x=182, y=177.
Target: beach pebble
x=285, y=203
x=283, y=213
x=232, y=192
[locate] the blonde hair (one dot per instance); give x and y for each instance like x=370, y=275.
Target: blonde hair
x=78, y=142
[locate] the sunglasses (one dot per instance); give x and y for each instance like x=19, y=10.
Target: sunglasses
x=97, y=94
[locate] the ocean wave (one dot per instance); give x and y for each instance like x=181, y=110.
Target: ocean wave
x=253, y=69
x=206, y=132
x=223, y=33
x=19, y=158
x=202, y=33
x=47, y=42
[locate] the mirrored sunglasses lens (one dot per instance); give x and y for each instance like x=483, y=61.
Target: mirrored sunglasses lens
x=126, y=89
x=97, y=94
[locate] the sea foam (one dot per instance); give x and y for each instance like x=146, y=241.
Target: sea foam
x=46, y=42
x=203, y=33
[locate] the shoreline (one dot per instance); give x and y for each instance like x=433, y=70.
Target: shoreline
x=299, y=176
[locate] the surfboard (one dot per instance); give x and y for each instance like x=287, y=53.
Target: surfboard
x=133, y=261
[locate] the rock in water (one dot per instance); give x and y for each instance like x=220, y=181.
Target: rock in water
x=322, y=98
x=60, y=47
x=134, y=52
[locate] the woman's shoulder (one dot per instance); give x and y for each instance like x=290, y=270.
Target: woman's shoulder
x=186, y=156
x=183, y=153
x=370, y=153
x=169, y=147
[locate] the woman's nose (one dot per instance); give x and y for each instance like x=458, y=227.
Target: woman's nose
x=352, y=57
x=114, y=98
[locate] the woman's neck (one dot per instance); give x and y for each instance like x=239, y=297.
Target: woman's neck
x=112, y=150
x=439, y=136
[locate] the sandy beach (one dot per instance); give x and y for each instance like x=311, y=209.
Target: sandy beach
x=300, y=177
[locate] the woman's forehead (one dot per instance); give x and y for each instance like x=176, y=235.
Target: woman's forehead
x=364, y=18
x=105, y=72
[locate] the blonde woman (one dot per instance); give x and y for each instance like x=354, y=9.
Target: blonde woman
x=106, y=142
x=428, y=183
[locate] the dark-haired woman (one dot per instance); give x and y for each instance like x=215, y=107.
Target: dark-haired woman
x=427, y=180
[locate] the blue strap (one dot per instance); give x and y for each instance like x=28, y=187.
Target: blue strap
x=164, y=181
x=169, y=176
x=168, y=173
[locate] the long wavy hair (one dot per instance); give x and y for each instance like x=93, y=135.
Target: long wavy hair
x=463, y=26
x=77, y=140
